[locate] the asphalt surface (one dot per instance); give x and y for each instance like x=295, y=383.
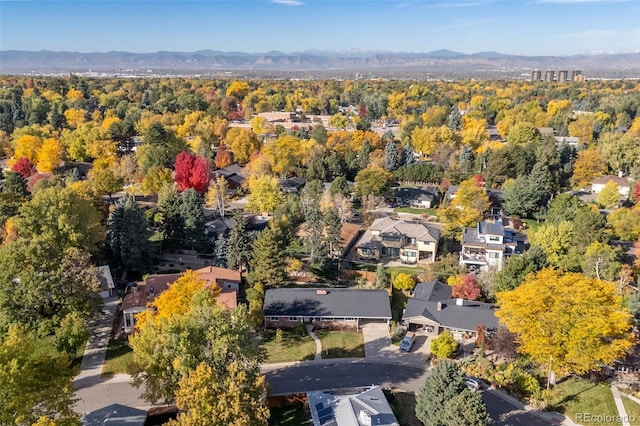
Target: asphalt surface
x=310, y=377
x=504, y=413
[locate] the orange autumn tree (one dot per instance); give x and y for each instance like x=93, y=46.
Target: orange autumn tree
x=577, y=322
x=465, y=287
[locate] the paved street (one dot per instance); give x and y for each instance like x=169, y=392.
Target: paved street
x=505, y=413
x=303, y=377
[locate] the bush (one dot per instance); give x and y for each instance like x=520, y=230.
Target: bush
x=444, y=346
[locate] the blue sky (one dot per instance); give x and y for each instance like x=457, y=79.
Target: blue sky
x=528, y=27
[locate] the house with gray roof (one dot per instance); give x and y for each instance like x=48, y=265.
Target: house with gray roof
x=325, y=307
x=115, y=414
x=433, y=307
x=351, y=407
x=424, y=197
x=488, y=244
x=397, y=239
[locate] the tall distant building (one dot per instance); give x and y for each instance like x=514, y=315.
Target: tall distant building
x=563, y=76
x=548, y=76
x=576, y=75
x=536, y=75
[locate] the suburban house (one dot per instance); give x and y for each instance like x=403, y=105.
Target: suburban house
x=351, y=407
x=292, y=185
x=234, y=174
x=628, y=368
x=398, y=239
x=488, y=245
x=624, y=184
x=349, y=233
x=424, y=197
x=107, y=286
x=145, y=292
x=433, y=308
x=325, y=307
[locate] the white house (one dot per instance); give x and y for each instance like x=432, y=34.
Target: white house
x=488, y=244
x=623, y=182
x=107, y=287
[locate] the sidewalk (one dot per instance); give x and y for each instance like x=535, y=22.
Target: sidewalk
x=622, y=412
x=550, y=416
x=317, y=342
x=96, y=349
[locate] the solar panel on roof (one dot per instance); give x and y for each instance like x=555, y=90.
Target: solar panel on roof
x=325, y=412
x=319, y=406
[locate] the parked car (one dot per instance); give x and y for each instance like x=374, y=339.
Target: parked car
x=473, y=383
x=407, y=341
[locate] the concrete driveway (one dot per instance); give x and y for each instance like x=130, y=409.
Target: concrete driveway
x=378, y=347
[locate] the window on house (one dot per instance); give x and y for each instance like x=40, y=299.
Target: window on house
x=391, y=238
x=127, y=320
x=293, y=318
x=493, y=255
x=274, y=318
x=494, y=238
x=409, y=253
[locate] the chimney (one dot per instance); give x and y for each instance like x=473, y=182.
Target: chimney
x=439, y=306
x=459, y=302
x=321, y=292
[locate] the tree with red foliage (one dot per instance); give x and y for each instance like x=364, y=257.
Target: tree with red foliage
x=191, y=172
x=24, y=166
x=362, y=110
x=465, y=287
x=223, y=157
x=636, y=192
x=478, y=179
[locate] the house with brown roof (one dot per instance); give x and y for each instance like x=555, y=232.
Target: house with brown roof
x=142, y=295
x=398, y=239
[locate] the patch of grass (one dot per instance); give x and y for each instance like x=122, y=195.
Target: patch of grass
x=290, y=416
x=404, y=407
x=633, y=410
x=341, y=344
x=580, y=396
x=46, y=346
x=532, y=224
x=411, y=270
x=398, y=303
x=156, y=236
x=412, y=210
x=118, y=356
x=294, y=347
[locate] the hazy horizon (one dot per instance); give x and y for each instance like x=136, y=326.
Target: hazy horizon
x=523, y=27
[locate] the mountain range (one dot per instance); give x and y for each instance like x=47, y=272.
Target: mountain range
x=211, y=61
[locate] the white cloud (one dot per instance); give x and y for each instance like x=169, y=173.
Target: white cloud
x=288, y=2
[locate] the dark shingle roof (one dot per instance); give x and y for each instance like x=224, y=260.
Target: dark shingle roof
x=460, y=317
x=115, y=414
x=338, y=302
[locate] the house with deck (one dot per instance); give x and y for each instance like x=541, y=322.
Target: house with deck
x=398, y=239
x=366, y=406
x=488, y=244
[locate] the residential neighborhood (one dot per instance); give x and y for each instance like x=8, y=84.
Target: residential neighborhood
x=318, y=252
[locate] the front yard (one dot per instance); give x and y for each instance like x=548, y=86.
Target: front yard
x=118, y=356
x=574, y=396
x=404, y=407
x=341, y=344
x=294, y=346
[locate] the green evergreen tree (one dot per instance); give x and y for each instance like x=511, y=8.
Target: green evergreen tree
x=14, y=183
x=363, y=155
x=192, y=213
x=408, y=157
x=221, y=251
x=332, y=230
x=445, y=382
x=128, y=236
x=381, y=277
x=466, y=408
x=313, y=221
x=172, y=222
x=268, y=261
x=239, y=243
x=455, y=119
x=391, y=160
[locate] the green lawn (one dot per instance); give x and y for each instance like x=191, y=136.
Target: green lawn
x=633, y=410
x=411, y=270
x=290, y=416
x=294, y=347
x=430, y=212
x=532, y=224
x=341, y=344
x=404, y=407
x=46, y=346
x=580, y=396
x=119, y=355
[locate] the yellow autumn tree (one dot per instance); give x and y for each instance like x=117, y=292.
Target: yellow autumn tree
x=474, y=132
x=265, y=194
x=176, y=299
x=49, y=155
x=589, y=164
x=75, y=117
x=578, y=323
x=27, y=146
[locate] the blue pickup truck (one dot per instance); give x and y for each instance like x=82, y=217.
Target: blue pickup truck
x=407, y=341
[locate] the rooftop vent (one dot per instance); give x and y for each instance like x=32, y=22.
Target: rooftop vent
x=459, y=301
x=439, y=306
x=364, y=417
